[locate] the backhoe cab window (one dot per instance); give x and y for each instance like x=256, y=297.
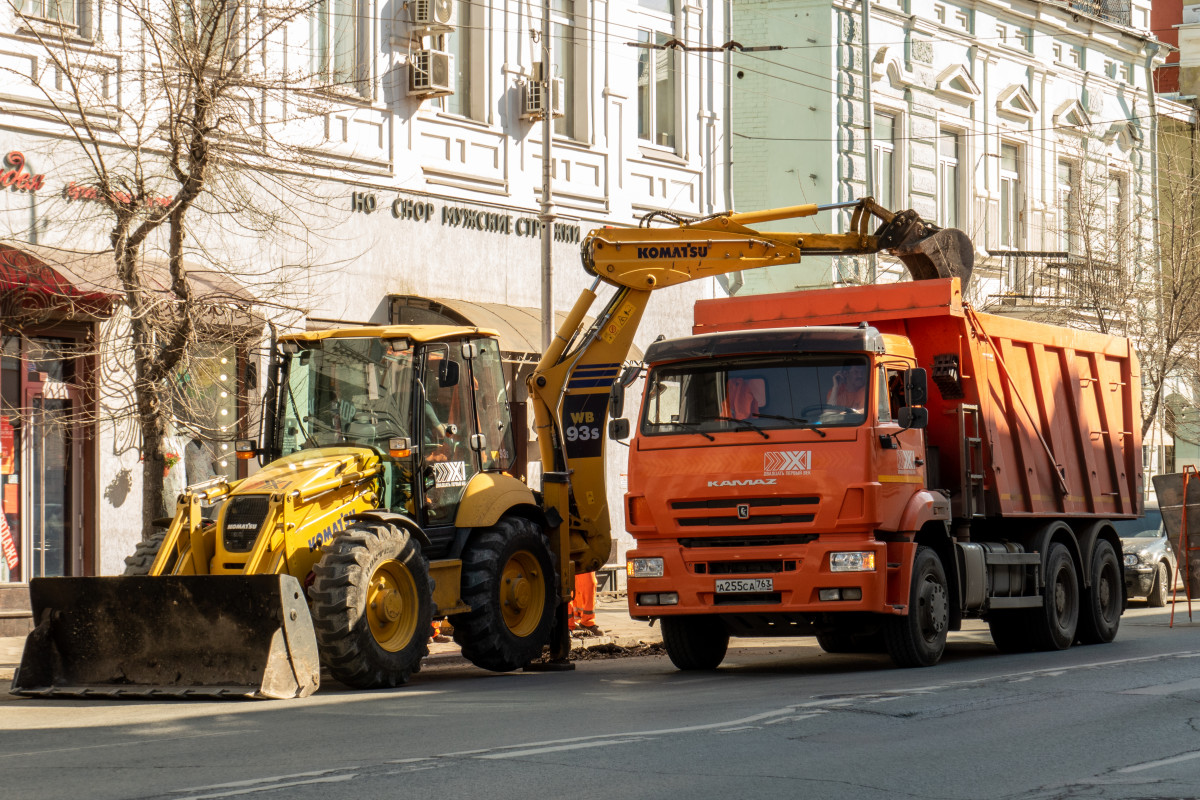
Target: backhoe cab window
x=769, y=394
x=347, y=391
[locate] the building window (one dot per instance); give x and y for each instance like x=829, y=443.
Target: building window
x=1118, y=214
x=1068, y=206
x=883, y=136
x=949, y=179
x=208, y=418
x=341, y=38
x=459, y=44
x=1012, y=203
x=212, y=30
x=657, y=86
x=665, y=6
x=563, y=55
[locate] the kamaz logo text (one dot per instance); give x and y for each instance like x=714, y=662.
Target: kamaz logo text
x=682, y=251
x=748, y=482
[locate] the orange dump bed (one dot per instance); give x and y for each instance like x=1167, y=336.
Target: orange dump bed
x=1058, y=408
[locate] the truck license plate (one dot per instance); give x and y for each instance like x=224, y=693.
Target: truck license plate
x=733, y=585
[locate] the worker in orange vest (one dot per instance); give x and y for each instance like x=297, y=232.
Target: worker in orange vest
x=582, y=609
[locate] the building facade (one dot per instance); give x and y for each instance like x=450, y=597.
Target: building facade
x=411, y=193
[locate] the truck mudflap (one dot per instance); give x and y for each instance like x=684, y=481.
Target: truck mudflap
x=169, y=636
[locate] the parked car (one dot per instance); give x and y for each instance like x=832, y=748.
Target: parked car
x=1149, y=560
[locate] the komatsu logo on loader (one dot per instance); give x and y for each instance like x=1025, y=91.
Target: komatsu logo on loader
x=748, y=482
x=681, y=251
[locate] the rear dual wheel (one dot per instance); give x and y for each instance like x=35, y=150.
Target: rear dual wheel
x=372, y=606
x=1104, y=600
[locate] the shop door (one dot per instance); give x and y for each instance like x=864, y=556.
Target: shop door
x=52, y=493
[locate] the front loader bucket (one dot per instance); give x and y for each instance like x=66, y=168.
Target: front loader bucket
x=178, y=636
x=947, y=253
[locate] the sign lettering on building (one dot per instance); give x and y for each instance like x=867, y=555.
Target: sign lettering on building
x=15, y=176
x=474, y=219
x=79, y=191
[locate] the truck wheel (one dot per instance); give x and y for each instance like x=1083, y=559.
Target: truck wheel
x=508, y=580
x=372, y=606
x=1158, y=591
x=841, y=642
x=1010, y=630
x=695, y=643
x=918, y=639
x=144, y=554
x=1055, y=625
x=1105, y=600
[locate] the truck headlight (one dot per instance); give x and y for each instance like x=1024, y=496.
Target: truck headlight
x=859, y=561
x=644, y=567
x=1131, y=560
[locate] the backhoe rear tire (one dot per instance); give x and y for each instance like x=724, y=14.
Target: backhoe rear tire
x=509, y=581
x=695, y=643
x=371, y=601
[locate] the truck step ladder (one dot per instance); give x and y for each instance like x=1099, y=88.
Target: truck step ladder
x=970, y=438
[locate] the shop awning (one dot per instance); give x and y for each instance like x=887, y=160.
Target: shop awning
x=520, y=327
x=89, y=277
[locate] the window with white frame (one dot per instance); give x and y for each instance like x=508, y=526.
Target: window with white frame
x=1118, y=214
x=70, y=13
x=211, y=30
x=1067, y=191
x=949, y=178
x=341, y=44
x=1012, y=201
x=657, y=88
x=459, y=43
x=563, y=55
x=883, y=138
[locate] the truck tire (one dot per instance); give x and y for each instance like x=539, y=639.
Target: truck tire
x=509, y=581
x=918, y=639
x=1104, y=600
x=695, y=643
x=1055, y=624
x=1158, y=590
x=144, y=554
x=843, y=642
x=372, y=606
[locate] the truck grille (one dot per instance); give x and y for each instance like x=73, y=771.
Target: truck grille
x=744, y=567
x=753, y=502
x=744, y=511
x=243, y=520
x=770, y=540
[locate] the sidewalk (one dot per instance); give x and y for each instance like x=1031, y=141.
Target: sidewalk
x=612, y=615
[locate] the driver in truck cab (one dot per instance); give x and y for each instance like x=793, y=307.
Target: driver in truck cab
x=849, y=388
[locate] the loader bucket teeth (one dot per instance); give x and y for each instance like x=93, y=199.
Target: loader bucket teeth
x=947, y=253
x=184, y=636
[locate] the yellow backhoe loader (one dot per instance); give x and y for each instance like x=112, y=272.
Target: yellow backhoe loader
x=386, y=498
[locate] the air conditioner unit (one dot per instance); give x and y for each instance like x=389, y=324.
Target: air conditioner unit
x=431, y=73
x=433, y=16
x=535, y=99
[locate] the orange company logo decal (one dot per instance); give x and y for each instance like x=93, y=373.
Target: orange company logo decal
x=787, y=462
x=906, y=459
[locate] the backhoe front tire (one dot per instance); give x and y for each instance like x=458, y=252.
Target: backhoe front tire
x=144, y=554
x=508, y=580
x=372, y=606
x=695, y=643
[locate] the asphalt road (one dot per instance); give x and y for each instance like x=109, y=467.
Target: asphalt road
x=778, y=720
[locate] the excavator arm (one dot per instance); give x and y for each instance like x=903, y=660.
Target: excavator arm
x=570, y=387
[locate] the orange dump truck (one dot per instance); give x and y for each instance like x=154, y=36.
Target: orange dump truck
x=871, y=465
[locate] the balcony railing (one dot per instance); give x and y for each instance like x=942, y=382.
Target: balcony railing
x=1116, y=11
x=1050, y=279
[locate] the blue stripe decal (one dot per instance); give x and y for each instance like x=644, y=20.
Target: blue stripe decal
x=582, y=384
x=597, y=370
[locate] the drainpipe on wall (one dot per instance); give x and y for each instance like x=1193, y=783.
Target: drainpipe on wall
x=868, y=116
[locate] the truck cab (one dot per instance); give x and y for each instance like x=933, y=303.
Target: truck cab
x=771, y=472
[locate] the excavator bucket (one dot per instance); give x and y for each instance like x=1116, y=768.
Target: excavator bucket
x=169, y=636
x=946, y=253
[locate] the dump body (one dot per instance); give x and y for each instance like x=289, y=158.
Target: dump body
x=1052, y=401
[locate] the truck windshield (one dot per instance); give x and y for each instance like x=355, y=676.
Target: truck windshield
x=346, y=391
x=801, y=391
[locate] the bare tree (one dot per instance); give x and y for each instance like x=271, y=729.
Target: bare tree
x=181, y=145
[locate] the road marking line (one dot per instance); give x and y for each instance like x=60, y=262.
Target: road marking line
x=558, y=748
x=254, y=781
x=122, y=744
x=1162, y=762
x=273, y=787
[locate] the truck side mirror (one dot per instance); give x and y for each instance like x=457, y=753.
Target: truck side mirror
x=913, y=417
x=448, y=373
x=616, y=400
x=916, y=387
x=618, y=429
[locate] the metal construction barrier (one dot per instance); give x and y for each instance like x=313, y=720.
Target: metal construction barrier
x=1179, y=501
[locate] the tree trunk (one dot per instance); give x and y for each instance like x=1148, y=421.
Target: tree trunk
x=153, y=429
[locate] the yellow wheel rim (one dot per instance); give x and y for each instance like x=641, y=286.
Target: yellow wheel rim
x=522, y=593
x=392, y=606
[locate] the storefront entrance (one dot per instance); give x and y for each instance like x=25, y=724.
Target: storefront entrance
x=43, y=421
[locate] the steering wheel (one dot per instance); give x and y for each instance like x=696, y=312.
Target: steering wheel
x=825, y=408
